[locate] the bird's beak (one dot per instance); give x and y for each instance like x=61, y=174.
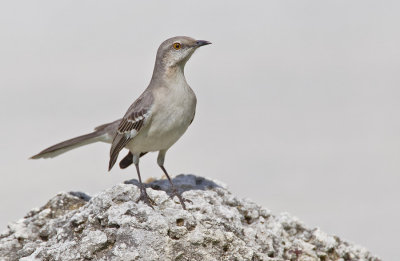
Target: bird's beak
x=201, y=43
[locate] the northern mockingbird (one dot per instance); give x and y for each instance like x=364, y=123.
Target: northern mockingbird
x=155, y=121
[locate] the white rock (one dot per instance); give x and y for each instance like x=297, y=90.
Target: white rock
x=216, y=226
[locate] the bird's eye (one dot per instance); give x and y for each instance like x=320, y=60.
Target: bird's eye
x=177, y=46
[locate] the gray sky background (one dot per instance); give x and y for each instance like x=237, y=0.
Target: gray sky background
x=298, y=103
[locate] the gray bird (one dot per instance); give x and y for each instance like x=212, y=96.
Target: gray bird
x=155, y=121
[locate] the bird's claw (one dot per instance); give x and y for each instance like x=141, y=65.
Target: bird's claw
x=145, y=198
x=182, y=200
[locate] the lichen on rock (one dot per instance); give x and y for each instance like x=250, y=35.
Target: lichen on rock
x=216, y=226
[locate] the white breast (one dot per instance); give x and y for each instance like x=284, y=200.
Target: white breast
x=171, y=116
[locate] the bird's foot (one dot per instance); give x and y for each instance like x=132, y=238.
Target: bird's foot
x=145, y=198
x=174, y=192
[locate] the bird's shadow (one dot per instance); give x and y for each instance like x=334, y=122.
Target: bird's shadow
x=182, y=182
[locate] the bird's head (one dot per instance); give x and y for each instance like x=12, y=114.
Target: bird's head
x=176, y=51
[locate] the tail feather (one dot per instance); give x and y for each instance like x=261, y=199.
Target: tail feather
x=70, y=144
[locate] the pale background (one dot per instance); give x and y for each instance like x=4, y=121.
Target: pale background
x=298, y=103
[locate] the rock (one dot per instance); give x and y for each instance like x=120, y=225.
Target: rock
x=216, y=226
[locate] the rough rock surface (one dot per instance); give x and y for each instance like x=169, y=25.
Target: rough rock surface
x=216, y=226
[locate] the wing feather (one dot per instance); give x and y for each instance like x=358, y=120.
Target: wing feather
x=133, y=121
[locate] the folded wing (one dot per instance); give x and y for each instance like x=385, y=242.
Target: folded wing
x=135, y=118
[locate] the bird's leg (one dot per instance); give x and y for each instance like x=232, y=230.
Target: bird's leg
x=174, y=191
x=143, y=193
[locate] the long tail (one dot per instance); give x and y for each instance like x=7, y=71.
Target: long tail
x=103, y=133
x=68, y=145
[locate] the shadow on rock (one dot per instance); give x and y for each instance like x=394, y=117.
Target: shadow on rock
x=80, y=195
x=182, y=182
